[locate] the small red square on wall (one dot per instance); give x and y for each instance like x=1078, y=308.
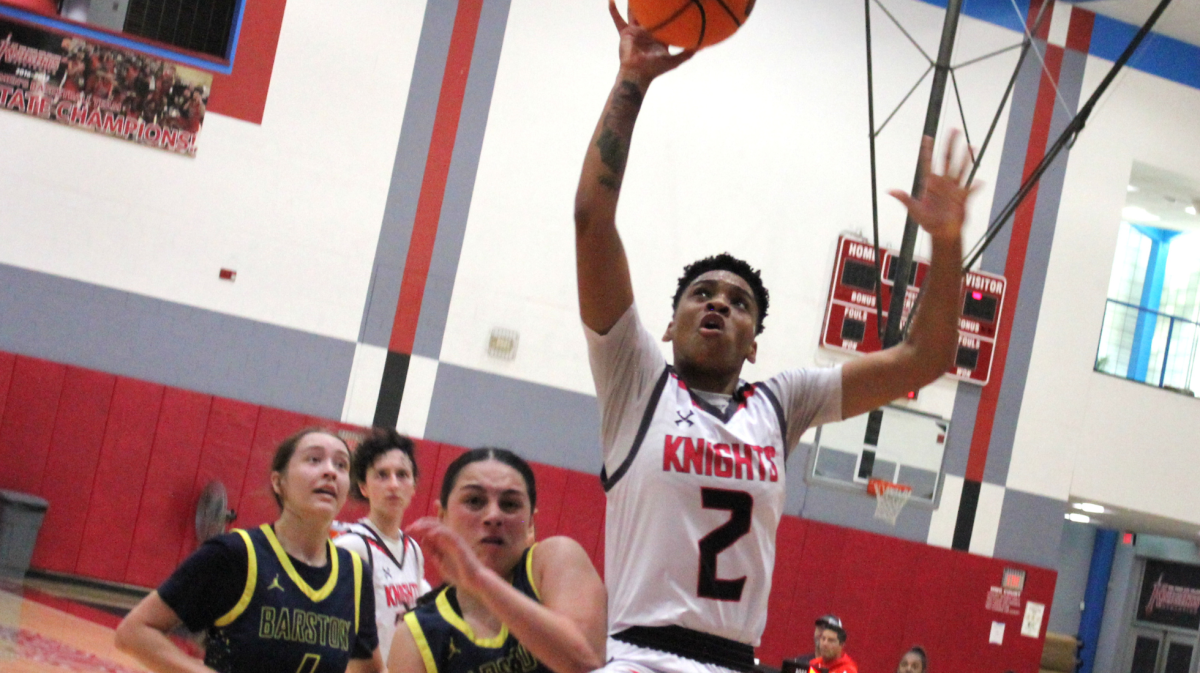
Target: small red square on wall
x=228, y=274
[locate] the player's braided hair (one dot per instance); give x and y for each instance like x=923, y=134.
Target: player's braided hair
x=726, y=262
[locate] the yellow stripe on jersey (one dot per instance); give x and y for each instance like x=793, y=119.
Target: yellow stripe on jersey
x=418, y=634
x=357, y=562
x=251, y=580
x=452, y=618
x=529, y=572
x=314, y=595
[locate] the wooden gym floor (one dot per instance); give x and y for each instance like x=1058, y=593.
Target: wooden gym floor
x=49, y=626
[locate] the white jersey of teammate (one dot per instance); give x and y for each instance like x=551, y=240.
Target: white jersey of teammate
x=397, y=570
x=695, y=485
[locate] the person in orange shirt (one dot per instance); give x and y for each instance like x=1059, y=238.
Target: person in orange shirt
x=832, y=657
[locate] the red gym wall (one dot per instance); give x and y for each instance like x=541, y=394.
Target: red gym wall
x=122, y=462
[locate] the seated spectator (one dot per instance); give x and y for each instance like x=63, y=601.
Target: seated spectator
x=914, y=661
x=831, y=646
x=800, y=663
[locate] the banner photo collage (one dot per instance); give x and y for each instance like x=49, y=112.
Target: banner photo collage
x=100, y=88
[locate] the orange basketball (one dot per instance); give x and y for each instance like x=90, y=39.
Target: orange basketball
x=691, y=23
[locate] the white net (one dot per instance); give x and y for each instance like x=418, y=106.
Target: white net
x=889, y=500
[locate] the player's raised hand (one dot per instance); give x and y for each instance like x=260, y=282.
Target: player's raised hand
x=641, y=54
x=941, y=207
x=453, y=557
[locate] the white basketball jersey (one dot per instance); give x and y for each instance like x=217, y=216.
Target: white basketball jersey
x=692, y=514
x=397, y=572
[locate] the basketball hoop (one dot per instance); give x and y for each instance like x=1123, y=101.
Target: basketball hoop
x=890, y=498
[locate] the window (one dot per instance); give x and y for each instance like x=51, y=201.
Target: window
x=1151, y=328
x=198, y=33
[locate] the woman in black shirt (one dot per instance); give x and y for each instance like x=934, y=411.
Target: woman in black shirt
x=279, y=598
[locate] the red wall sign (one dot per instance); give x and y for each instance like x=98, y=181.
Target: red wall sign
x=851, y=321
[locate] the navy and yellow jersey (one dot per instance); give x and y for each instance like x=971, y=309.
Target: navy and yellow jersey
x=448, y=644
x=279, y=614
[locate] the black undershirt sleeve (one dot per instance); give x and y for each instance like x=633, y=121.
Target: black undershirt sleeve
x=368, y=636
x=208, y=583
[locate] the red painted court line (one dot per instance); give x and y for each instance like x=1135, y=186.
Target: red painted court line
x=437, y=169
x=1039, y=136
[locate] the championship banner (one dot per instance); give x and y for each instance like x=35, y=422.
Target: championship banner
x=1170, y=595
x=109, y=90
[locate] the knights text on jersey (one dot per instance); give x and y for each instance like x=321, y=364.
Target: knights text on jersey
x=692, y=513
x=397, y=574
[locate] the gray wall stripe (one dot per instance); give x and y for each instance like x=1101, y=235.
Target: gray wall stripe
x=1033, y=280
x=1012, y=166
x=408, y=171
x=962, y=426
x=460, y=183
x=174, y=344
x=1030, y=528
x=549, y=425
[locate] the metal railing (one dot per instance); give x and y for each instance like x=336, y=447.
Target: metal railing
x=1149, y=346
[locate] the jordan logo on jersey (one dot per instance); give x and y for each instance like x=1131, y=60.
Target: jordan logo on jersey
x=275, y=584
x=730, y=461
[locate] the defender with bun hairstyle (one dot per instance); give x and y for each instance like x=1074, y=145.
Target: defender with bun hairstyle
x=509, y=604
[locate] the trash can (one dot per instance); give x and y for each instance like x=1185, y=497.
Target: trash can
x=20, y=519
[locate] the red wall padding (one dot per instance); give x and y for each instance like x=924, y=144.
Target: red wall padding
x=119, y=480
x=74, y=453
x=169, y=499
x=28, y=422
x=122, y=463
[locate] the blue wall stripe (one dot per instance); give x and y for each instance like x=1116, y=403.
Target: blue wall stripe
x=1159, y=55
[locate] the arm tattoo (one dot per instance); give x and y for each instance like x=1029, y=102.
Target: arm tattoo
x=613, y=142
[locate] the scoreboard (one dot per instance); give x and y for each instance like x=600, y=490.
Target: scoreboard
x=851, y=321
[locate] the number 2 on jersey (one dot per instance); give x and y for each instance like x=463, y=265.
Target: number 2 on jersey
x=739, y=504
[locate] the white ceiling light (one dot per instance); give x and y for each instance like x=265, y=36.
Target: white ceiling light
x=1090, y=508
x=1138, y=214
x=1078, y=518
x=1131, y=188
x=1190, y=210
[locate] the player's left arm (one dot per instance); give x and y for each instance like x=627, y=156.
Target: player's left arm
x=566, y=630
x=878, y=378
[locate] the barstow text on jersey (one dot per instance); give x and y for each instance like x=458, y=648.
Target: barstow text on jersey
x=700, y=456
x=302, y=626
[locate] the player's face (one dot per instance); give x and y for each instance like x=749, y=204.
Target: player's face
x=317, y=477
x=817, y=637
x=715, y=323
x=910, y=663
x=390, y=483
x=830, y=647
x=489, y=508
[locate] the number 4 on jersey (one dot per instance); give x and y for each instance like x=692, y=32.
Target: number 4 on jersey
x=740, y=504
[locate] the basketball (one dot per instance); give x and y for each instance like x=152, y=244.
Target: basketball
x=692, y=24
